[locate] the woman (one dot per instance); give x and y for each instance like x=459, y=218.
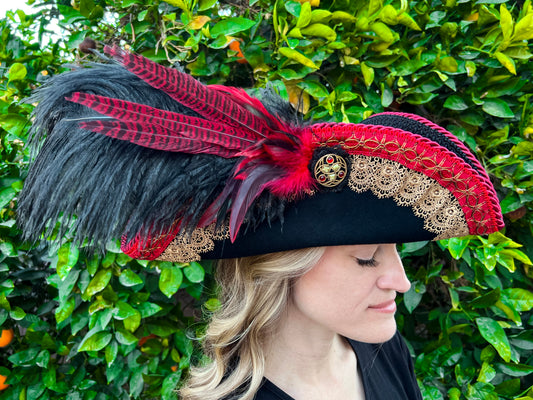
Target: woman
x=304, y=218
x=301, y=307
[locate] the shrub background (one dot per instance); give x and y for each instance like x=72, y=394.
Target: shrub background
x=114, y=328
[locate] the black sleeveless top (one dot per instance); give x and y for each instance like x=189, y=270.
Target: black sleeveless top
x=386, y=370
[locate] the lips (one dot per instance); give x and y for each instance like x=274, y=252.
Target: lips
x=386, y=307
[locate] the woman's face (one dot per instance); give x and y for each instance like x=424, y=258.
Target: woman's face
x=351, y=291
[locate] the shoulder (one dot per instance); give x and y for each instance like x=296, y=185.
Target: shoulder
x=387, y=367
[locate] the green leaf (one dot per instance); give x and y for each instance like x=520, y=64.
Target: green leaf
x=305, y=16
x=66, y=285
x=17, y=72
x=168, y=388
x=368, y=74
x=65, y=310
x=481, y=391
x=231, y=26
x=486, y=300
x=518, y=255
x=413, y=296
x=455, y=102
x=212, y=304
x=99, y=282
x=493, y=333
x=148, y=309
x=43, y=358
x=96, y=342
x=486, y=373
x=497, y=108
x=383, y=32
x=448, y=64
x=24, y=357
x=506, y=61
x=123, y=310
x=181, y=4
x=17, y=313
x=517, y=370
x=125, y=337
x=297, y=56
x=194, y=272
x=387, y=97
x=6, y=195
x=420, y=98
x=388, y=15
x=523, y=29
x=206, y=4
x=315, y=89
x=519, y=299
x=320, y=15
x=132, y=322
x=13, y=123
x=506, y=23
x=343, y=17
x=511, y=202
x=111, y=352
x=170, y=280
x=67, y=257
x=431, y=393
x=320, y=30
x=129, y=278
x=457, y=247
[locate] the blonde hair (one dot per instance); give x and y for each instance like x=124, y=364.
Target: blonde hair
x=254, y=292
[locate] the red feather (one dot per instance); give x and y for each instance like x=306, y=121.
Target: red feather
x=178, y=125
x=154, y=137
x=212, y=104
x=274, y=155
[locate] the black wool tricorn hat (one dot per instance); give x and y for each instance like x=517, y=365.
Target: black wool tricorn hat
x=183, y=171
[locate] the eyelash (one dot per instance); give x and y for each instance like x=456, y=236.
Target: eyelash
x=367, y=263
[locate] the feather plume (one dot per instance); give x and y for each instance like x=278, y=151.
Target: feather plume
x=212, y=104
x=187, y=152
x=175, y=126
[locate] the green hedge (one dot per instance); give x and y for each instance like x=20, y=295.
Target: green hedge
x=115, y=328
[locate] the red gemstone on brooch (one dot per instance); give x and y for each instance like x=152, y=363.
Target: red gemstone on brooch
x=330, y=170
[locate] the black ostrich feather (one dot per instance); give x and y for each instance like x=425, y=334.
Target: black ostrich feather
x=100, y=188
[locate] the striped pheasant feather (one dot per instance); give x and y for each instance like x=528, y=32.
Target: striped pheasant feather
x=172, y=131
x=212, y=104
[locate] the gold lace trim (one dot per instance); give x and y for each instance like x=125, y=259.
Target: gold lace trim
x=440, y=210
x=187, y=248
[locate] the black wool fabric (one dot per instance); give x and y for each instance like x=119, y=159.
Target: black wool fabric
x=386, y=369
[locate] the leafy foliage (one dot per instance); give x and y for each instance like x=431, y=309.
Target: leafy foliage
x=112, y=327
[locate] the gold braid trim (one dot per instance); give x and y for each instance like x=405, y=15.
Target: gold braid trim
x=187, y=248
x=440, y=210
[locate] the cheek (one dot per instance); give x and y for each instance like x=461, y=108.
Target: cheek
x=330, y=296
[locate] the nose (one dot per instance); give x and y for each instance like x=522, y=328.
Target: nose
x=393, y=276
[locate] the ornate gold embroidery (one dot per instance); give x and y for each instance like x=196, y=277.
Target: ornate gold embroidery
x=187, y=248
x=330, y=170
x=441, y=211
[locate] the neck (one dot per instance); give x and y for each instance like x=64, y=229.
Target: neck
x=301, y=348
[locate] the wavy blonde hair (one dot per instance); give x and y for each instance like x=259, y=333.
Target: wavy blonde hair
x=254, y=292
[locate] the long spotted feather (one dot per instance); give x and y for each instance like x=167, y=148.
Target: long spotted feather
x=212, y=104
x=175, y=125
x=155, y=137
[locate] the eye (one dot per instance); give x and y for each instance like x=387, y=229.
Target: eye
x=367, y=263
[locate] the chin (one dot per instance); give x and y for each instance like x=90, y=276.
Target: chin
x=379, y=333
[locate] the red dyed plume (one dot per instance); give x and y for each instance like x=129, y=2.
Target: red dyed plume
x=273, y=155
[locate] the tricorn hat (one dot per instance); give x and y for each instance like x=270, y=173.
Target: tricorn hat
x=183, y=171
